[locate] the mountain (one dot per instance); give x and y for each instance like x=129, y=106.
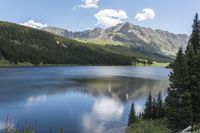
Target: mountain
x=20, y=44
x=157, y=44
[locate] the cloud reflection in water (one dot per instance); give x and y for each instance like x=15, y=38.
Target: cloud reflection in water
x=104, y=112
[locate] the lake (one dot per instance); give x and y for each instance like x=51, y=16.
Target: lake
x=78, y=99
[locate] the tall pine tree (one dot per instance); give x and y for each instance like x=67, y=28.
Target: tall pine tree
x=197, y=92
x=154, y=109
x=148, y=108
x=132, y=116
x=195, y=36
x=178, y=101
x=192, y=55
x=160, y=106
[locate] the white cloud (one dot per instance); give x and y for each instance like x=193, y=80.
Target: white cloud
x=33, y=24
x=110, y=17
x=89, y=4
x=146, y=14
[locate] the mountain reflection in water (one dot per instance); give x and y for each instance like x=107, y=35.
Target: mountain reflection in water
x=78, y=99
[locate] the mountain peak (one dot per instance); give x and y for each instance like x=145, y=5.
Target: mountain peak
x=155, y=42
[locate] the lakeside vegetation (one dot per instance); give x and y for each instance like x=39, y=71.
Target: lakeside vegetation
x=154, y=63
x=7, y=63
x=152, y=120
x=152, y=126
x=181, y=108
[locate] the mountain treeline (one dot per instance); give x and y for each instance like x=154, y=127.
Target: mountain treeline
x=19, y=44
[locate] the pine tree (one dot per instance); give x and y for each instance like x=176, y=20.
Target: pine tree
x=178, y=101
x=192, y=63
x=160, y=106
x=154, y=109
x=195, y=36
x=192, y=55
x=148, y=108
x=197, y=92
x=132, y=116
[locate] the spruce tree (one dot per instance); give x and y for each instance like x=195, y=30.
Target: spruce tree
x=132, y=116
x=195, y=36
x=178, y=101
x=160, y=106
x=154, y=109
x=148, y=108
x=192, y=55
x=197, y=92
x=193, y=80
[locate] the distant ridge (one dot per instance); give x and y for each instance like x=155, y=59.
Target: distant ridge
x=146, y=40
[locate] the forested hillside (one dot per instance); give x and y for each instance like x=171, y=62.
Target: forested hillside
x=19, y=44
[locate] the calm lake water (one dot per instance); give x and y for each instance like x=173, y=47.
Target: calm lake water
x=78, y=99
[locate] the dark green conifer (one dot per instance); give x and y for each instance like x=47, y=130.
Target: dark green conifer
x=148, y=108
x=178, y=101
x=195, y=36
x=132, y=116
x=160, y=106
x=154, y=109
x=192, y=55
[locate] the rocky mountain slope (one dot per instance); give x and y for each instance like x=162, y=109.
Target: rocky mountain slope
x=148, y=41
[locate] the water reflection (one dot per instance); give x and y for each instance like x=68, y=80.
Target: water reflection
x=123, y=88
x=36, y=99
x=108, y=109
x=104, y=112
x=78, y=99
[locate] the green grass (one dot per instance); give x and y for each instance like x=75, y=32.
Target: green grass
x=143, y=126
x=160, y=64
x=100, y=41
x=197, y=128
x=198, y=131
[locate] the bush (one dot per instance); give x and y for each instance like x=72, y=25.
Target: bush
x=144, y=126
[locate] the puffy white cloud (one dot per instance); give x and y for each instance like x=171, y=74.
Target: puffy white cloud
x=146, y=14
x=110, y=17
x=89, y=4
x=33, y=24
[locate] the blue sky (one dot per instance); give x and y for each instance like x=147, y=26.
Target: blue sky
x=77, y=15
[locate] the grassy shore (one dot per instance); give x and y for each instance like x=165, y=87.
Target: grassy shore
x=160, y=64
x=6, y=63
x=144, y=126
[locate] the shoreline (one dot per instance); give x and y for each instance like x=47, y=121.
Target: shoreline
x=66, y=65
